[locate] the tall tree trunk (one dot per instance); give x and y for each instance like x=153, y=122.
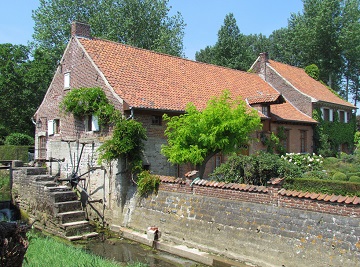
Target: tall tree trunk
x=201, y=167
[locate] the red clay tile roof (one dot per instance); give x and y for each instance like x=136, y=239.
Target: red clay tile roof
x=321, y=197
x=150, y=80
x=287, y=112
x=304, y=83
x=274, y=98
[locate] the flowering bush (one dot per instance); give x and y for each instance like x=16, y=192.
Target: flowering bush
x=306, y=162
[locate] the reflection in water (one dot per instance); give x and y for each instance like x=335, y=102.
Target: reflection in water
x=125, y=251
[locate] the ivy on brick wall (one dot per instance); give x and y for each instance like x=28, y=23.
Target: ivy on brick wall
x=329, y=135
x=127, y=135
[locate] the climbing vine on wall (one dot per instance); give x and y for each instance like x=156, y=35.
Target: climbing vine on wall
x=128, y=135
x=329, y=135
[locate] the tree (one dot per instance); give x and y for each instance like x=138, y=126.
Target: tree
x=145, y=24
x=230, y=49
x=196, y=136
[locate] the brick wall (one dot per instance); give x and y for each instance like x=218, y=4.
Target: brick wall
x=253, y=225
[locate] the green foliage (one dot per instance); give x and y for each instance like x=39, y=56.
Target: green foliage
x=87, y=101
x=329, y=135
x=147, y=183
x=274, y=142
x=254, y=169
x=128, y=135
x=14, y=153
x=144, y=24
x=22, y=87
x=224, y=125
x=19, y=139
x=313, y=71
x=5, y=185
x=354, y=179
x=339, y=176
x=48, y=251
x=127, y=141
x=306, y=162
x=330, y=187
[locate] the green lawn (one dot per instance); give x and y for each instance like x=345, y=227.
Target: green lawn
x=48, y=251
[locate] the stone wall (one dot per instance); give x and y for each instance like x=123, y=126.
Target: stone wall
x=252, y=224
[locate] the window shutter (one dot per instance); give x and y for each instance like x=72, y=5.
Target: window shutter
x=322, y=113
x=94, y=123
x=331, y=115
x=50, y=127
x=346, y=117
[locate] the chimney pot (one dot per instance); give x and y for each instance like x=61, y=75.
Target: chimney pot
x=264, y=57
x=80, y=29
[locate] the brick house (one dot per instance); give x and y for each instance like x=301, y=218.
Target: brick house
x=144, y=85
x=304, y=92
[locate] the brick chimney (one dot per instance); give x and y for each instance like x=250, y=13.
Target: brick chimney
x=80, y=29
x=264, y=59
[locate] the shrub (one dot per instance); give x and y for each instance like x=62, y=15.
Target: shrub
x=354, y=179
x=343, y=188
x=316, y=175
x=339, y=176
x=14, y=153
x=306, y=162
x=255, y=169
x=147, y=183
x=19, y=139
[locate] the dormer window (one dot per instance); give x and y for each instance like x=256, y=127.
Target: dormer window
x=67, y=80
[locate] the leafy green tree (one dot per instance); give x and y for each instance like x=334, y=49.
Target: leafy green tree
x=196, y=136
x=145, y=24
x=230, y=50
x=19, y=139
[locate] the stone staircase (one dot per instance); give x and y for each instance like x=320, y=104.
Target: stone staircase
x=58, y=209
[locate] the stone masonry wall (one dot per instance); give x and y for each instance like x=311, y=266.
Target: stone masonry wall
x=258, y=226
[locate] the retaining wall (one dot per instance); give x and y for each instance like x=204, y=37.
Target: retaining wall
x=254, y=224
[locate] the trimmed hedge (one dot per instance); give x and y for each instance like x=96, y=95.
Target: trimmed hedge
x=14, y=153
x=330, y=187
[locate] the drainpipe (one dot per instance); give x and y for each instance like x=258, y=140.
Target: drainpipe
x=32, y=120
x=131, y=114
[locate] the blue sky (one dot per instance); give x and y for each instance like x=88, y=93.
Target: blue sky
x=203, y=18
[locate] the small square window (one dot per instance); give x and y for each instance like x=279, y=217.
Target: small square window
x=91, y=123
x=67, y=80
x=156, y=120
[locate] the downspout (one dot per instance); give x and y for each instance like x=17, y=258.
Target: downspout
x=131, y=114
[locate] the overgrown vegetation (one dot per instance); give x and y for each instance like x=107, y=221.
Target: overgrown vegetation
x=224, y=125
x=329, y=135
x=14, y=153
x=19, y=139
x=302, y=172
x=47, y=251
x=128, y=135
x=147, y=183
x=4, y=185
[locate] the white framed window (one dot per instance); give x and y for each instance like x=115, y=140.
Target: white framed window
x=327, y=114
x=91, y=123
x=67, y=80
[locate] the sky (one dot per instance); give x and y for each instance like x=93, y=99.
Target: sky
x=202, y=17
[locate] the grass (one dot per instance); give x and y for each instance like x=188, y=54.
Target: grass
x=48, y=251
x=4, y=185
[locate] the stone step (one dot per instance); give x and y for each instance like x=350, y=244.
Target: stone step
x=71, y=216
x=35, y=170
x=57, y=188
x=60, y=207
x=82, y=237
x=42, y=177
x=46, y=184
x=76, y=228
x=64, y=196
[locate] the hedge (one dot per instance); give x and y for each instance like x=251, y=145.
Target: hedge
x=15, y=153
x=330, y=187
